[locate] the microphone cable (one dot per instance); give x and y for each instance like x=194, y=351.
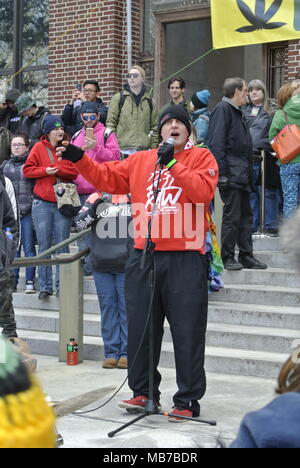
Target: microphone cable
x=79, y=413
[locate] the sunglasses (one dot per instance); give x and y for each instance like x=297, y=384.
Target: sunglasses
x=91, y=117
x=132, y=75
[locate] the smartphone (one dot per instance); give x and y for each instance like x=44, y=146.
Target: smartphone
x=78, y=86
x=90, y=133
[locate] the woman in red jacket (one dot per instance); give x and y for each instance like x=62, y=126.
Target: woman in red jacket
x=43, y=165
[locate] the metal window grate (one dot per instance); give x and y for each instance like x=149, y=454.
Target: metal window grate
x=277, y=56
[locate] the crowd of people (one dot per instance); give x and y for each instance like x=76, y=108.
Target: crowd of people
x=132, y=154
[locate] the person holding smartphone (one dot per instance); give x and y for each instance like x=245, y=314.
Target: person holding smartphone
x=89, y=92
x=76, y=95
x=101, y=147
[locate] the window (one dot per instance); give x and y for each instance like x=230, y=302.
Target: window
x=277, y=55
x=146, y=59
x=24, y=43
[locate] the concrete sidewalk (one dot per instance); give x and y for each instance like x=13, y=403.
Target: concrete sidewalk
x=227, y=399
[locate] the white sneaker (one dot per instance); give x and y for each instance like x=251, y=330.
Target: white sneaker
x=30, y=288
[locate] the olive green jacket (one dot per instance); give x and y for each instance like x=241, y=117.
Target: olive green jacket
x=183, y=103
x=135, y=126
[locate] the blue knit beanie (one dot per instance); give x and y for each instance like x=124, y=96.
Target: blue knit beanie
x=52, y=122
x=201, y=98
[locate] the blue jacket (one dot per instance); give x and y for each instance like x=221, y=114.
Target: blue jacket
x=200, y=119
x=277, y=425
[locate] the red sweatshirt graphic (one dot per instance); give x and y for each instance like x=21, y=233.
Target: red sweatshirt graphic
x=185, y=193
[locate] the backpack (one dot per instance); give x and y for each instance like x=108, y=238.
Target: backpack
x=4, y=144
x=122, y=100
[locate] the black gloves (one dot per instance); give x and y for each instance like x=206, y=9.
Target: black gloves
x=72, y=153
x=165, y=155
x=92, y=211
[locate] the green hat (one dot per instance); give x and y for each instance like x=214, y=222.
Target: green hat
x=24, y=103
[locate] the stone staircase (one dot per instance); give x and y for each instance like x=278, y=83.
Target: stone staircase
x=252, y=322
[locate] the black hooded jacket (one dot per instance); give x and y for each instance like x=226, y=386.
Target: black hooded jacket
x=72, y=120
x=33, y=126
x=230, y=142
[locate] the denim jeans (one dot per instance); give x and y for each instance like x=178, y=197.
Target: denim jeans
x=50, y=227
x=271, y=203
x=290, y=181
x=28, y=244
x=110, y=290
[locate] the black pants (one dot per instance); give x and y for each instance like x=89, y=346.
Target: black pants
x=236, y=223
x=181, y=296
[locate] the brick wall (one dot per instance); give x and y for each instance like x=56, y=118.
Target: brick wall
x=293, y=60
x=87, y=39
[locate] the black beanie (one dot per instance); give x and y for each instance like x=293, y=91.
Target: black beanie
x=176, y=111
x=197, y=103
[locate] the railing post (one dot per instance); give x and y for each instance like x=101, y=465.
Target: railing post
x=71, y=307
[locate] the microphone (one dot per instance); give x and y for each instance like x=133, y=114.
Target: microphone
x=169, y=141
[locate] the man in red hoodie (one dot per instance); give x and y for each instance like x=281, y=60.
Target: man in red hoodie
x=187, y=184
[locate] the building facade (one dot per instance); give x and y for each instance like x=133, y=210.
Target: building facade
x=65, y=42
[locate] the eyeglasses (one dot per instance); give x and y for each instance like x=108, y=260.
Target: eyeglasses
x=17, y=145
x=91, y=117
x=89, y=90
x=132, y=75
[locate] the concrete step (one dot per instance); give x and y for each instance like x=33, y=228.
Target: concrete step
x=89, y=285
x=31, y=301
x=254, y=314
x=251, y=337
x=234, y=361
x=271, y=277
x=48, y=321
x=244, y=362
x=259, y=294
x=266, y=243
x=238, y=293
x=218, y=360
x=46, y=343
x=276, y=259
x=218, y=334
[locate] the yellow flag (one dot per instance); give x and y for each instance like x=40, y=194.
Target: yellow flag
x=244, y=22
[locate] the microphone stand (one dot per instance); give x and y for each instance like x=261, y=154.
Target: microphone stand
x=151, y=407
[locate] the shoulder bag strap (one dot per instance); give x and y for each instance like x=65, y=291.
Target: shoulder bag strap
x=52, y=161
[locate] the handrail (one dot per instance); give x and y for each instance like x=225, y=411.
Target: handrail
x=71, y=277
x=25, y=262
x=40, y=260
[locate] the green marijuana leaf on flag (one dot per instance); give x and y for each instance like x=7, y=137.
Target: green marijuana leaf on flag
x=259, y=19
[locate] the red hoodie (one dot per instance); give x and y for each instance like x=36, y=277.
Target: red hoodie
x=36, y=165
x=188, y=184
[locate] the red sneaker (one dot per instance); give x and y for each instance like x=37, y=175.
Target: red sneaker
x=135, y=404
x=180, y=412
